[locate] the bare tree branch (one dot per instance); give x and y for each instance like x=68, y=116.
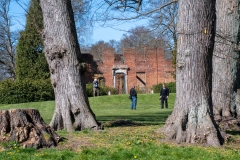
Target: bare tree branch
x=149, y=12
x=7, y=41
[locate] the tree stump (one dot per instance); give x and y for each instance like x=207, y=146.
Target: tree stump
x=26, y=127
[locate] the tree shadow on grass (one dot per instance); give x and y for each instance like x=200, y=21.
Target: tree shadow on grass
x=157, y=118
x=233, y=132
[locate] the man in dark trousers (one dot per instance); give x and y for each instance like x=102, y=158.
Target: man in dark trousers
x=133, y=95
x=95, y=88
x=164, y=93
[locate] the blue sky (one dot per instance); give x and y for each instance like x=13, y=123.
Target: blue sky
x=18, y=16
x=99, y=33
x=116, y=32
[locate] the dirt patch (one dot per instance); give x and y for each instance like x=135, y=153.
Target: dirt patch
x=74, y=143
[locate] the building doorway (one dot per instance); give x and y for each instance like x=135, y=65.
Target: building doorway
x=120, y=83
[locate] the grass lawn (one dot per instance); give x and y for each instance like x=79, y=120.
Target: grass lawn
x=109, y=108
x=120, y=142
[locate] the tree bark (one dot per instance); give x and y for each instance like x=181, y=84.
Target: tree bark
x=62, y=51
x=225, y=79
x=191, y=120
x=26, y=127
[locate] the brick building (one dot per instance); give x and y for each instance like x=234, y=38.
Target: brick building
x=142, y=69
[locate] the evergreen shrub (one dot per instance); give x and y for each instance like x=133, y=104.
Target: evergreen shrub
x=25, y=91
x=171, y=86
x=103, y=90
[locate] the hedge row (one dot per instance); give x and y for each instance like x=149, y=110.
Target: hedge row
x=25, y=91
x=36, y=90
x=171, y=86
x=103, y=90
x=41, y=90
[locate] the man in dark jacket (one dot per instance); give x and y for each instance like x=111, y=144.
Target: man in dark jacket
x=95, y=88
x=164, y=93
x=133, y=95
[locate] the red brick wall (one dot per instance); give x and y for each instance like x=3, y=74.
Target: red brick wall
x=129, y=60
x=150, y=61
x=152, y=67
x=106, y=66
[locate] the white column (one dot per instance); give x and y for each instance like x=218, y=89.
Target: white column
x=126, y=83
x=114, y=79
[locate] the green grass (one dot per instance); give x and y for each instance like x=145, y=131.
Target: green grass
x=122, y=142
x=109, y=108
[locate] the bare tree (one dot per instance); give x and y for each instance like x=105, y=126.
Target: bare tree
x=7, y=42
x=97, y=48
x=118, y=11
x=83, y=20
x=61, y=48
x=164, y=24
x=116, y=45
x=140, y=37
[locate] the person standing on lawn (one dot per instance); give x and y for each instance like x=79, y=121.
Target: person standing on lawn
x=95, y=88
x=164, y=93
x=133, y=95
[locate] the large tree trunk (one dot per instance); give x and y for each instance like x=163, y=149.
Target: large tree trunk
x=191, y=120
x=26, y=127
x=72, y=111
x=225, y=78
